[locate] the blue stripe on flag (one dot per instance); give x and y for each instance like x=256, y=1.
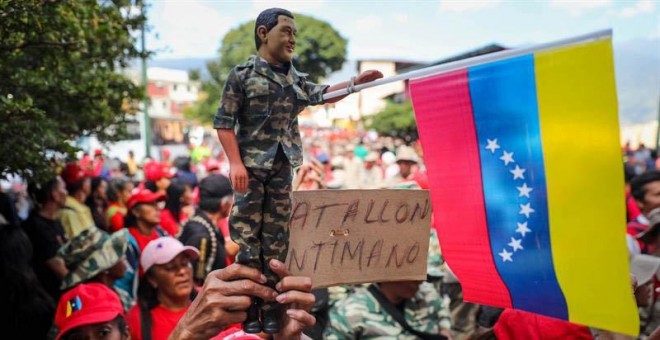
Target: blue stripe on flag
x=506, y=118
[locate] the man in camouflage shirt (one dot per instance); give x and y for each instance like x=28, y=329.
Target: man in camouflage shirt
x=258, y=127
x=361, y=316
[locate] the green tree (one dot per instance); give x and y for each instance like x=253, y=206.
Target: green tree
x=396, y=119
x=60, y=64
x=320, y=50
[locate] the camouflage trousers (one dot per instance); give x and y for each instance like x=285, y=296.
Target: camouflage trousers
x=259, y=221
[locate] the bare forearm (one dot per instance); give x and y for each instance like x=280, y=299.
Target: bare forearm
x=336, y=87
x=230, y=145
x=56, y=264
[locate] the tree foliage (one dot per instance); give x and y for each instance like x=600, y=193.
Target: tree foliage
x=396, y=119
x=320, y=50
x=60, y=64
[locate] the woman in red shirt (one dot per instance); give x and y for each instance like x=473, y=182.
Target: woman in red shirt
x=165, y=291
x=178, y=207
x=119, y=191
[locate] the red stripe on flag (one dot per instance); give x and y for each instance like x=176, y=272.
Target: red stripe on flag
x=443, y=111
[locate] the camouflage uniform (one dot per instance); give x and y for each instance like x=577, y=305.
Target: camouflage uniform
x=262, y=106
x=360, y=316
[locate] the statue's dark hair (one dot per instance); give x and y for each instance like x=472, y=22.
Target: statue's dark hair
x=268, y=19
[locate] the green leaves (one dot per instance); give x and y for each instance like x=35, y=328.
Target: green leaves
x=320, y=50
x=59, y=71
x=395, y=119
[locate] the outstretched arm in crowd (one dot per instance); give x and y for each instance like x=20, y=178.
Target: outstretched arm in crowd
x=364, y=77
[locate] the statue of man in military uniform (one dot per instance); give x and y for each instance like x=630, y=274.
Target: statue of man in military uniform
x=257, y=125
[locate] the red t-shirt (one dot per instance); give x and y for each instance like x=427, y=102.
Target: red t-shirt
x=168, y=223
x=516, y=324
x=143, y=240
x=163, y=322
x=115, y=215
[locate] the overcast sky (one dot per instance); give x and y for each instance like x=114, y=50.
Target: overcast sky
x=409, y=30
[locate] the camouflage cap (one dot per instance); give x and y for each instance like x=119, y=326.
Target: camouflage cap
x=91, y=252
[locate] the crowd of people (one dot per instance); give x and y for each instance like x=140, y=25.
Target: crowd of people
x=143, y=251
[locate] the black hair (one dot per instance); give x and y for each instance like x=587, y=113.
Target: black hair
x=41, y=192
x=182, y=163
x=638, y=184
x=151, y=185
x=119, y=320
x=116, y=186
x=73, y=188
x=210, y=204
x=130, y=220
x=174, y=192
x=96, y=183
x=23, y=297
x=628, y=172
x=268, y=18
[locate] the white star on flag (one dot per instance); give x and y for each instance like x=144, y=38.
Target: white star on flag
x=506, y=256
x=507, y=157
x=492, y=145
x=518, y=172
x=526, y=209
x=515, y=244
x=522, y=229
x=524, y=190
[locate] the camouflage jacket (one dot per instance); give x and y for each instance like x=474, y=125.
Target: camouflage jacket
x=262, y=107
x=360, y=316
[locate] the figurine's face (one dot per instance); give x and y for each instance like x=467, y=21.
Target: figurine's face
x=280, y=41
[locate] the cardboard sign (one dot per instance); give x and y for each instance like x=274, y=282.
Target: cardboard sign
x=358, y=236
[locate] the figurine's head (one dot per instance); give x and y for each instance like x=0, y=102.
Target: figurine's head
x=275, y=35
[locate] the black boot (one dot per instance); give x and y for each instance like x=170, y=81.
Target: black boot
x=271, y=318
x=252, y=324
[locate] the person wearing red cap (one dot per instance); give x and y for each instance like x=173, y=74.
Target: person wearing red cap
x=90, y=311
x=143, y=217
x=99, y=164
x=165, y=290
x=76, y=216
x=157, y=176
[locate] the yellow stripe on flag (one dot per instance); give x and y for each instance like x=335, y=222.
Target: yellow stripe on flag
x=580, y=138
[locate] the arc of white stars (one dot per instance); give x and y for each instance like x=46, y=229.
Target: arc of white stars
x=506, y=256
x=522, y=229
x=518, y=172
x=515, y=244
x=524, y=190
x=507, y=157
x=492, y=145
x=526, y=209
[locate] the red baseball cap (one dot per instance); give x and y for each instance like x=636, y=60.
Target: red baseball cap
x=86, y=304
x=212, y=164
x=153, y=171
x=163, y=249
x=145, y=196
x=72, y=173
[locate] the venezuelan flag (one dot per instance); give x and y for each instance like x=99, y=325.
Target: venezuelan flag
x=526, y=179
